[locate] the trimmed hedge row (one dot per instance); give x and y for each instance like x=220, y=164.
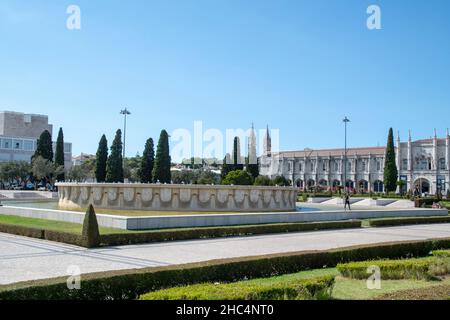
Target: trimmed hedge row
x=407, y=221
x=390, y=269
x=50, y=235
x=300, y=289
x=130, y=284
x=115, y=239
x=218, y=232
x=441, y=253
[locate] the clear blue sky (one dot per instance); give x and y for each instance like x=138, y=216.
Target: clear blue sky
x=299, y=66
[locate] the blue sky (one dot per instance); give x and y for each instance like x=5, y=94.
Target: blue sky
x=299, y=66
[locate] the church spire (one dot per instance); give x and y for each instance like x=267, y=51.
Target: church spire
x=267, y=146
x=252, y=146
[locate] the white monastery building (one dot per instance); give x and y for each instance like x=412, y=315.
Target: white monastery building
x=424, y=166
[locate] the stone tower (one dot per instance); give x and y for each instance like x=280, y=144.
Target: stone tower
x=267, y=145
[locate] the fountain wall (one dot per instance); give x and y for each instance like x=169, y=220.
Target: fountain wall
x=162, y=197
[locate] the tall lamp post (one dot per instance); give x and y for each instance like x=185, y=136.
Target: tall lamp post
x=346, y=121
x=125, y=113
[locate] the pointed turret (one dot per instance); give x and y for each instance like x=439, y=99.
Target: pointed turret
x=252, y=158
x=267, y=146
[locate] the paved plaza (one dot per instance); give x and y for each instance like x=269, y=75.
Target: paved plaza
x=24, y=258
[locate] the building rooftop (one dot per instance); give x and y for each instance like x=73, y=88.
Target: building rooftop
x=332, y=152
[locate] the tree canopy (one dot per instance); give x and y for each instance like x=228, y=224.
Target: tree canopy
x=161, y=169
x=390, y=166
x=59, y=154
x=44, y=146
x=114, y=165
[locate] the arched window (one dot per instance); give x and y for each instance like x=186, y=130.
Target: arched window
x=378, y=186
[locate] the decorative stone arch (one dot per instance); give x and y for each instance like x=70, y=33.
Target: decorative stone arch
x=350, y=184
x=336, y=183
x=378, y=186
x=311, y=183
x=299, y=183
x=422, y=185
x=323, y=183
x=363, y=185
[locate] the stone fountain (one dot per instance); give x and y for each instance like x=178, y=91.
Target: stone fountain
x=176, y=197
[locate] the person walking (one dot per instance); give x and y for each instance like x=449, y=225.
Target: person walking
x=347, y=202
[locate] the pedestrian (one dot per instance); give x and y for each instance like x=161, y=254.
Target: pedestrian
x=347, y=202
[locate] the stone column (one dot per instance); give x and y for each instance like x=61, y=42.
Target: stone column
x=410, y=163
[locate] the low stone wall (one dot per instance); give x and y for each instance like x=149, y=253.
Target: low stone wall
x=27, y=195
x=104, y=220
x=213, y=220
x=159, y=197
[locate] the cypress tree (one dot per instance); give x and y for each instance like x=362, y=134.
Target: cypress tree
x=390, y=167
x=161, y=170
x=101, y=160
x=253, y=168
x=147, y=162
x=44, y=146
x=114, y=165
x=90, y=236
x=59, y=154
x=226, y=166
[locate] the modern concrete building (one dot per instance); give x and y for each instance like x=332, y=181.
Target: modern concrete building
x=82, y=158
x=424, y=166
x=19, y=133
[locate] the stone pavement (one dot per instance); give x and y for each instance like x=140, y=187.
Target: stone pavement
x=24, y=258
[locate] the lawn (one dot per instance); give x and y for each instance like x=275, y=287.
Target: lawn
x=344, y=288
x=349, y=289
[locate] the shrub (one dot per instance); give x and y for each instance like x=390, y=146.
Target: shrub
x=22, y=231
x=390, y=269
x=263, y=181
x=441, y=253
x=90, y=236
x=281, y=181
x=238, y=178
x=408, y=221
x=425, y=202
x=316, y=288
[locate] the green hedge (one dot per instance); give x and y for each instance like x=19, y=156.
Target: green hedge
x=22, y=231
x=217, y=232
x=130, y=284
x=407, y=221
x=50, y=235
x=390, y=269
x=300, y=289
x=441, y=253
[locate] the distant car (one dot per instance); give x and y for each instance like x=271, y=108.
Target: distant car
x=42, y=188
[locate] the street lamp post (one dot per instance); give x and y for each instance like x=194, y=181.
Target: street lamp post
x=125, y=113
x=346, y=121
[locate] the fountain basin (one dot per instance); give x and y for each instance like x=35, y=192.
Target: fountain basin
x=176, y=197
